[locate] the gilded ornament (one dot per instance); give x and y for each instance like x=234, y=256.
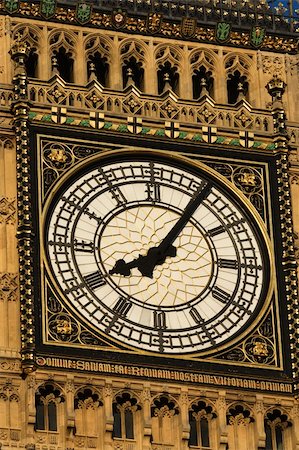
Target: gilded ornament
x=58, y=155
x=63, y=326
x=119, y=18
x=154, y=23
x=260, y=349
x=247, y=179
x=188, y=27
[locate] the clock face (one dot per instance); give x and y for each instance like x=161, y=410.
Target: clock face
x=157, y=253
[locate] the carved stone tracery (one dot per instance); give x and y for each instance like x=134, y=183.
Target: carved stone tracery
x=9, y=287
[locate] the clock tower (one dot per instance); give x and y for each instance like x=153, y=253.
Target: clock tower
x=149, y=225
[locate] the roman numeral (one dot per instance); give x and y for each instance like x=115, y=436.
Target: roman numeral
x=220, y=295
x=228, y=263
x=94, y=280
x=122, y=307
x=217, y=230
x=195, y=315
x=82, y=246
x=118, y=196
x=159, y=319
x=115, y=191
x=153, y=192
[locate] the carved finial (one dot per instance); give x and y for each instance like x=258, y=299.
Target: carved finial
x=55, y=69
x=203, y=85
x=130, y=81
x=167, y=85
x=241, y=94
x=276, y=88
x=20, y=50
x=92, y=70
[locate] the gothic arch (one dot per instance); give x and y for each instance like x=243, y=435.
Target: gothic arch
x=240, y=412
x=125, y=406
x=201, y=415
x=165, y=424
x=203, y=65
x=87, y=405
x=9, y=406
x=98, y=51
x=63, y=51
x=87, y=396
x=241, y=425
x=277, y=428
x=133, y=56
x=32, y=35
x=238, y=76
x=48, y=397
x=235, y=61
x=168, y=66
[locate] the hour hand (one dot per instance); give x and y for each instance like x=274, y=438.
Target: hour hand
x=121, y=268
x=145, y=264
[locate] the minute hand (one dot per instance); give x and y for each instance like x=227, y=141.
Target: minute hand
x=185, y=217
x=157, y=255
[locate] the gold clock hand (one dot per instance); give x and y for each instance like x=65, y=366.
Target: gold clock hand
x=157, y=255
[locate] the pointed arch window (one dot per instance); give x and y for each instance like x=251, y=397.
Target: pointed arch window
x=86, y=405
x=237, y=87
x=63, y=63
x=200, y=416
x=168, y=78
x=202, y=82
x=46, y=401
x=31, y=64
x=124, y=408
x=31, y=37
x=98, y=68
x=164, y=412
x=133, y=70
x=276, y=424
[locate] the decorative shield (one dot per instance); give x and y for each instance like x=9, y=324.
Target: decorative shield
x=47, y=8
x=135, y=124
x=83, y=12
x=222, y=31
x=154, y=23
x=119, y=18
x=188, y=27
x=11, y=6
x=257, y=36
x=172, y=129
x=96, y=119
x=209, y=134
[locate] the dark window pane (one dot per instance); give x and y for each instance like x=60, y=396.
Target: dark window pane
x=129, y=424
x=193, y=430
x=31, y=64
x=278, y=436
x=204, y=429
x=117, y=422
x=65, y=65
x=40, y=416
x=268, y=432
x=52, y=415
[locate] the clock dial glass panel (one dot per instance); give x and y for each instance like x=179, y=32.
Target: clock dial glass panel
x=157, y=256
